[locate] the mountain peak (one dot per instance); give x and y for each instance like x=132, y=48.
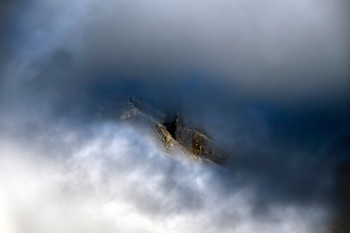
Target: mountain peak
x=174, y=134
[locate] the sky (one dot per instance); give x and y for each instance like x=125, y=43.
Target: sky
x=267, y=80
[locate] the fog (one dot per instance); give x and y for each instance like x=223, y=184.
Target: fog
x=268, y=81
x=112, y=177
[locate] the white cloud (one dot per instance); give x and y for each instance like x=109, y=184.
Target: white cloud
x=118, y=180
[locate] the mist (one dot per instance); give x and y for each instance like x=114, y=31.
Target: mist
x=268, y=81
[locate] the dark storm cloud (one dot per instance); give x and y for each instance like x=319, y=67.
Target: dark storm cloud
x=8, y=10
x=286, y=50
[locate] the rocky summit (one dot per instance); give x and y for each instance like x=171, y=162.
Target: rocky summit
x=176, y=134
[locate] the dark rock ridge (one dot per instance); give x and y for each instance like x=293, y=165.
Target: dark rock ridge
x=176, y=134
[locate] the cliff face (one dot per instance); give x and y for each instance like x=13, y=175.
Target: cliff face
x=176, y=134
x=194, y=140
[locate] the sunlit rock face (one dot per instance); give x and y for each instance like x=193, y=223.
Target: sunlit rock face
x=177, y=134
x=194, y=140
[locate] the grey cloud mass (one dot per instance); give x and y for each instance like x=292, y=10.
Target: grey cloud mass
x=267, y=80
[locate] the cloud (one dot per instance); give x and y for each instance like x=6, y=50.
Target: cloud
x=285, y=50
x=267, y=81
x=114, y=181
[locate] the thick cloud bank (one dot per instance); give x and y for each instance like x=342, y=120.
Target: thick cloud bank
x=113, y=178
x=268, y=81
